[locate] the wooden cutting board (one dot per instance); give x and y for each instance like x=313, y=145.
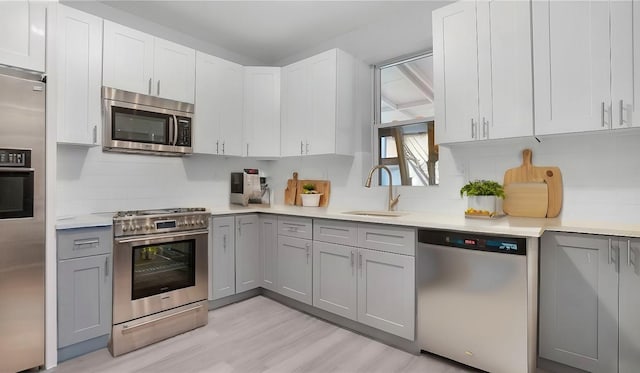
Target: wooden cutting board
x=528, y=173
x=526, y=199
x=291, y=190
x=322, y=186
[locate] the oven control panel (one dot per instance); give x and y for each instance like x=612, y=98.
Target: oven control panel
x=15, y=158
x=136, y=226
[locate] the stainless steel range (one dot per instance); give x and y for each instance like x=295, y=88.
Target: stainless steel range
x=160, y=275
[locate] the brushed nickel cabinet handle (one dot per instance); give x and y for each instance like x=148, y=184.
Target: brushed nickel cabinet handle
x=149, y=86
x=352, y=266
x=217, y=147
x=609, y=260
x=223, y=147
x=602, y=117
x=628, y=253
x=621, y=112
x=247, y=149
x=473, y=128
x=158, y=88
x=95, y=134
x=224, y=243
x=301, y=148
x=106, y=266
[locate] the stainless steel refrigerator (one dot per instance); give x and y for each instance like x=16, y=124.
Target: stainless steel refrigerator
x=22, y=224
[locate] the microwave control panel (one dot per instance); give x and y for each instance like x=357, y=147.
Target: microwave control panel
x=184, y=132
x=19, y=158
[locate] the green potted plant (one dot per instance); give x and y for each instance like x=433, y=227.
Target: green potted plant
x=310, y=196
x=484, y=197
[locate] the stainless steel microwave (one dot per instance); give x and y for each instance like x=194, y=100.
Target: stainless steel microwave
x=137, y=123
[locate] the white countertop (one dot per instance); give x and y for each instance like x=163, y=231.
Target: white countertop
x=507, y=225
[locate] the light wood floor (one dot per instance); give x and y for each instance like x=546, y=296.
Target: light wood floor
x=261, y=335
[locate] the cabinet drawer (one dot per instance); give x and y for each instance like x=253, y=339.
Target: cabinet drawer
x=335, y=231
x=295, y=227
x=79, y=242
x=385, y=238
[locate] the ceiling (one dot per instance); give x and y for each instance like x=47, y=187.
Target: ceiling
x=269, y=31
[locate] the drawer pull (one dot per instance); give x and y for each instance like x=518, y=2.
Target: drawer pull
x=83, y=243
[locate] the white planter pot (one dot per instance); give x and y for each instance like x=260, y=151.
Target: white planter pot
x=492, y=204
x=310, y=200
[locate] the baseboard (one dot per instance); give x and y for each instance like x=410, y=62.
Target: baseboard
x=549, y=366
x=81, y=348
x=213, y=304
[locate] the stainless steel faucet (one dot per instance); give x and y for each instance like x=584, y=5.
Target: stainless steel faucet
x=392, y=201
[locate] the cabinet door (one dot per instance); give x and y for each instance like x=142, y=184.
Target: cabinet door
x=79, y=66
x=504, y=63
x=218, y=109
x=635, y=115
x=386, y=292
x=571, y=66
x=22, y=26
x=128, y=59
x=295, y=109
x=268, y=251
x=84, y=299
x=629, y=331
x=622, y=78
x=223, y=258
x=247, y=253
x=174, y=71
x=261, y=130
x=334, y=279
x=579, y=301
x=321, y=117
x=455, y=72
x=294, y=268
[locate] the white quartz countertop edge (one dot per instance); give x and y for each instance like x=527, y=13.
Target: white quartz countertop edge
x=514, y=226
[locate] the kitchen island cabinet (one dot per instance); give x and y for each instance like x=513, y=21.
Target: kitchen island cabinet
x=84, y=290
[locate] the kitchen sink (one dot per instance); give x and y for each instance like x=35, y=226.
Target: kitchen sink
x=378, y=213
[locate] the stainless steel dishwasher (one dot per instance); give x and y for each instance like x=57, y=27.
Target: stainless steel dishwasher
x=477, y=299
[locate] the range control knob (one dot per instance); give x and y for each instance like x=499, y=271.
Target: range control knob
x=147, y=227
x=131, y=227
x=124, y=228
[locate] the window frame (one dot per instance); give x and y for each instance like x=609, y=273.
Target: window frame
x=377, y=106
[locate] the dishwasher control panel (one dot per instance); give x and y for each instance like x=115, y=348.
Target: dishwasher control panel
x=473, y=241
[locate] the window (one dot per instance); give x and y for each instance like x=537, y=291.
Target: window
x=404, y=125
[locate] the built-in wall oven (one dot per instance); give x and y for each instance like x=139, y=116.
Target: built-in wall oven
x=16, y=184
x=160, y=275
x=137, y=123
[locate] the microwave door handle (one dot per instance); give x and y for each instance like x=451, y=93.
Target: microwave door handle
x=175, y=130
x=16, y=169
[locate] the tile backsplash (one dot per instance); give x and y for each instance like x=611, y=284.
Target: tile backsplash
x=601, y=177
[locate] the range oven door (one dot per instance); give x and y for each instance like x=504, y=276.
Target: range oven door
x=158, y=272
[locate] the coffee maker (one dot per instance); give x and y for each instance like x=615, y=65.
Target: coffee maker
x=245, y=187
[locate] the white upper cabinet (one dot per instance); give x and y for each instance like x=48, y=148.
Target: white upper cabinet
x=128, y=59
x=318, y=95
x=572, y=66
x=79, y=72
x=455, y=72
x=138, y=62
x=261, y=129
x=635, y=115
x=218, y=108
x=22, y=26
x=482, y=70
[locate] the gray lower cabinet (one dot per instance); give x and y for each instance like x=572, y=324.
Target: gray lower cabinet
x=268, y=243
x=84, y=290
x=335, y=279
x=386, y=292
x=374, y=287
x=247, y=253
x=294, y=268
x=222, y=267
x=629, y=311
x=579, y=301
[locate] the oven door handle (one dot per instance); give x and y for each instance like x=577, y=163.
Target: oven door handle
x=160, y=236
x=16, y=169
